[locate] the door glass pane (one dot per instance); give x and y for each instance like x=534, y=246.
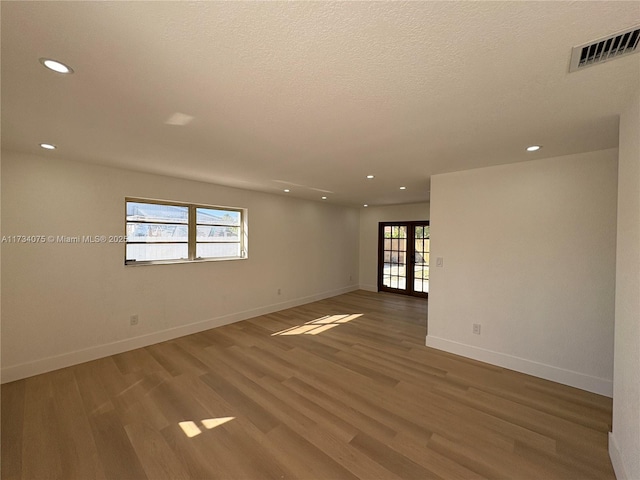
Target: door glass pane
x=394, y=256
x=421, y=265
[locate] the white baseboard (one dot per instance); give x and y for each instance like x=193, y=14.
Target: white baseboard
x=369, y=288
x=616, y=459
x=43, y=365
x=601, y=386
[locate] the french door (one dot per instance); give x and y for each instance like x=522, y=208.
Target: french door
x=403, y=258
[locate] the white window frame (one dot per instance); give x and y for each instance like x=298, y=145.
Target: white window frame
x=192, y=229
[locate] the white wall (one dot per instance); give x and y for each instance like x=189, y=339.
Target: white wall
x=67, y=303
x=529, y=253
x=0, y=287
x=369, y=219
x=624, y=441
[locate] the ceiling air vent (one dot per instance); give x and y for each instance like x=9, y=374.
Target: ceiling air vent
x=605, y=49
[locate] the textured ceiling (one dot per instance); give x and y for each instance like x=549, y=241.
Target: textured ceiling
x=312, y=96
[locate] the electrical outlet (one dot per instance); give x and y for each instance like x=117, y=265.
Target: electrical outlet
x=439, y=262
x=476, y=328
x=133, y=320
x=350, y=278
x=279, y=291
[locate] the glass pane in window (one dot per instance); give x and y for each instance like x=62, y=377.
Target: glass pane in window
x=217, y=250
x=217, y=234
x=164, y=251
x=152, y=212
x=401, y=270
x=399, y=232
x=210, y=216
x=154, y=232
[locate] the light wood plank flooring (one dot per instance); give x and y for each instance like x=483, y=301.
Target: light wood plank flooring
x=342, y=397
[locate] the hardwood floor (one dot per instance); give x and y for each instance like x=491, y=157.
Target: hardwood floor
x=343, y=397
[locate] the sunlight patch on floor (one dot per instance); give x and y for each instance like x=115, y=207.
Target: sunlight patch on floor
x=319, y=325
x=191, y=429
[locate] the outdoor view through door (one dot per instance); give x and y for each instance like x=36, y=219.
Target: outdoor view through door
x=403, y=257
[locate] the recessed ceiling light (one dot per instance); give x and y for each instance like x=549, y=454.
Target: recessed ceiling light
x=286, y=190
x=369, y=177
x=365, y=205
x=56, y=66
x=48, y=146
x=324, y=198
x=533, y=148
x=403, y=188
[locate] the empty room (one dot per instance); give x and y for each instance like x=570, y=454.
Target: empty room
x=320, y=240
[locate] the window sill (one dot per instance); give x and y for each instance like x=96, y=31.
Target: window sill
x=175, y=262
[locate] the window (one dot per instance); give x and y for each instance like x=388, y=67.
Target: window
x=169, y=232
